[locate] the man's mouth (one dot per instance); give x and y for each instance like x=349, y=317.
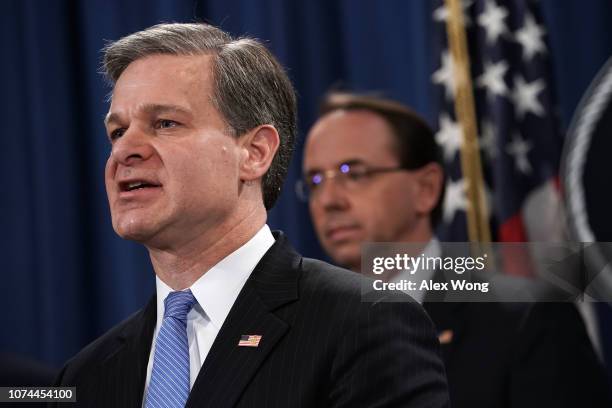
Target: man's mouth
x=126, y=186
x=341, y=233
x=138, y=189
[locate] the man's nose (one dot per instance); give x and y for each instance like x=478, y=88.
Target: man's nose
x=332, y=195
x=133, y=146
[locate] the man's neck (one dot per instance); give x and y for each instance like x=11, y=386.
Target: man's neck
x=421, y=233
x=180, y=267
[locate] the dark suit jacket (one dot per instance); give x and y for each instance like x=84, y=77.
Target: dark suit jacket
x=321, y=346
x=17, y=370
x=518, y=355
x=20, y=371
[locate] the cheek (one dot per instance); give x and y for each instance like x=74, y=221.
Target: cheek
x=203, y=171
x=372, y=219
x=221, y=157
x=109, y=171
x=316, y=215
x=400, y=216
x=383, y=211
x=370, y=203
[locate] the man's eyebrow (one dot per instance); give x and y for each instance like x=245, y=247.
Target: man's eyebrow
x=150, y=109
x=351, y=162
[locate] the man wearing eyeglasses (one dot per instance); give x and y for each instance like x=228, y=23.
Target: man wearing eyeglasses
x=373, y=173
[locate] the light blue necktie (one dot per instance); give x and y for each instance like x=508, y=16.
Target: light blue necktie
x=169, y=384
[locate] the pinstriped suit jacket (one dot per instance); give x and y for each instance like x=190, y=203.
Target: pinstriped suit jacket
x=321, y=346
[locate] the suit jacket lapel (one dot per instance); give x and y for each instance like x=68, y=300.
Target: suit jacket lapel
x=130, y=359
x=228, y=368
x=446, y=317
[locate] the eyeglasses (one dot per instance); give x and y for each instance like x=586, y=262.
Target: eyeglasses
x=350, y=176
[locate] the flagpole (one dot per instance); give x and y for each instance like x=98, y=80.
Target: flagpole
x=477, y=213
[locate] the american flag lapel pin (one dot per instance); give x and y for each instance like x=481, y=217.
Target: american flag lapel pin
x=445, y=337
x=249, y=340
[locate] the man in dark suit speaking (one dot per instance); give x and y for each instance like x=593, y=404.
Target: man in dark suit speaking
x=202, y=128
x=374, y=173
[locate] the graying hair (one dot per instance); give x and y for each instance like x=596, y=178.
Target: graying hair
x=250, y=87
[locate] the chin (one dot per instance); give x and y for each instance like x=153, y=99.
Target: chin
x=133, y=230
x=346, y=256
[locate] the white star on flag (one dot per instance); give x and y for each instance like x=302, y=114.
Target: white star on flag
x=492, y=20
x=441, y=13
x=492, y=79
x=487, y=141
x=531, y=38
x=445, y=75
x=518, y=149
x=449, y=136
x=525, y=96
x=454, y=199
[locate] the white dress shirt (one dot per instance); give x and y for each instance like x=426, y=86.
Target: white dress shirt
x=431, y=250
x=215, y=292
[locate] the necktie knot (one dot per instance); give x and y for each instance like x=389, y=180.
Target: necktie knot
x=178, y=304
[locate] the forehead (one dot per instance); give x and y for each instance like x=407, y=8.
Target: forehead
x=164, y=79
x=341, y=136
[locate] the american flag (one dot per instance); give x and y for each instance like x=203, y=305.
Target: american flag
x=249, y=340
x=518, y=133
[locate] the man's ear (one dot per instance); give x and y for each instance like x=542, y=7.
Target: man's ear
x=429, y=180
x=258, y=149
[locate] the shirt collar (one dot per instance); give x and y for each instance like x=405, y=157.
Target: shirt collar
x=217, y=289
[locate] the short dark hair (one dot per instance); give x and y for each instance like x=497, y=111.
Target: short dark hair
x=250, y=87
x=416, y=144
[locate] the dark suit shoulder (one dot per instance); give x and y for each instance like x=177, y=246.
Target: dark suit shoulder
x=339, y=281
x=101, y=349
x=381, y=337
x=24, y=371
x=334, y=278
x=353, y=290
x=322, y=281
